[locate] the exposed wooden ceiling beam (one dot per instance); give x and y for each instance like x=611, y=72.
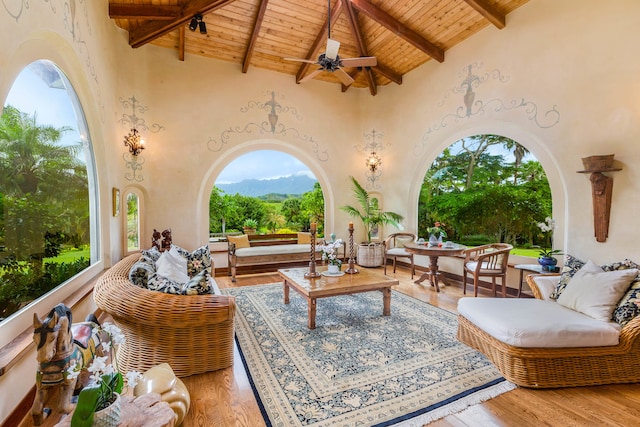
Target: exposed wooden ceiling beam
x=489, y=12
x=143, y=11
x=151, y=30
x=254, y=35
x=361, y=46
x=181, y=44
x=398, y=28
x=320, y=39
x=389, y=73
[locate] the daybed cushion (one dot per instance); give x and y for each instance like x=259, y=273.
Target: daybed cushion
x=531, y=323
x=595, y=292
x=275, y=249
x=240, y=241
x=546, y=284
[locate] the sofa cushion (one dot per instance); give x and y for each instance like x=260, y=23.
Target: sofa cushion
x=537, y=323
x=572, y=265
x=151, y=255
x=172, y=265
x=141, y=271
x=197, y=261
x=197, y=285
x=546, y=284
x=628, y=307
x=595, y=292
x=241, y=241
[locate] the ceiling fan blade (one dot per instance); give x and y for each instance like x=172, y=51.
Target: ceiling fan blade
x=301, y=60
x=365, y=61
x=332, y=48
x=311, y=75
x=345, y=78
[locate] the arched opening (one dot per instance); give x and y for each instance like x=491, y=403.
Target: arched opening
x=48, y=229
x=488, y=188
x=269, y=191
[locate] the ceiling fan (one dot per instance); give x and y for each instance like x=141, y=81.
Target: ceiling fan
x=330, y=61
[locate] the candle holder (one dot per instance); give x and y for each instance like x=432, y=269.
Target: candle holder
x=312, y=273
x=351, y=269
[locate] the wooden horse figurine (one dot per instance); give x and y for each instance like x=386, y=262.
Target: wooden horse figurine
x=57, y=351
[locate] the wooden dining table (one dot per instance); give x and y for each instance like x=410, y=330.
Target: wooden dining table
x=433, y=252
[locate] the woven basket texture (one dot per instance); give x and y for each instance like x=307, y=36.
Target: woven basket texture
x=560, y=367
x=192, y=333
x=371, y=255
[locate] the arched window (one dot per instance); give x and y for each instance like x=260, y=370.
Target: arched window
x=48, y=228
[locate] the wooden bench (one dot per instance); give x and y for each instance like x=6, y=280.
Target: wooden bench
x=269, y=250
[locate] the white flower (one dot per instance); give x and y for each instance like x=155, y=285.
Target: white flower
x=133, y=377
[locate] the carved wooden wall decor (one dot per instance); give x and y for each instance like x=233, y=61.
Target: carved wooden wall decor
x=601, y=189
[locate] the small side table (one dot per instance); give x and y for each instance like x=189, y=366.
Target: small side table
x=534, y=268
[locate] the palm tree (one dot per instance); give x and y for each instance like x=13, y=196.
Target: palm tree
x=30, y=155
x=369, y=211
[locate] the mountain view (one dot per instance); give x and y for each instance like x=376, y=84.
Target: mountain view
x=293, y=184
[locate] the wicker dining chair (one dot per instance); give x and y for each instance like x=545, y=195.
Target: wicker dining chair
x=486, y=261
x=393, y=248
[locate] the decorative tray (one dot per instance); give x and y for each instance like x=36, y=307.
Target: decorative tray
x=338, y=274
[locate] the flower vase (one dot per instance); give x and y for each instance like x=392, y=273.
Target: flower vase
x=333, y=269
x=109, y=416
x=435, y=240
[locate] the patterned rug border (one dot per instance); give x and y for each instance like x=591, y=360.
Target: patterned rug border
x=452, y=405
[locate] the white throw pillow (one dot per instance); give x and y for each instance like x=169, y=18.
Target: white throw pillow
x=595, y=292
x=173, y=266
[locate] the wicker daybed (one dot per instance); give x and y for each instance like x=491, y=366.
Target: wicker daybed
x=559, y=367
x=192, y=333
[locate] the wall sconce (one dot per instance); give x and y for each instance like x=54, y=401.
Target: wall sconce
x=373, y=162
x=134, y=143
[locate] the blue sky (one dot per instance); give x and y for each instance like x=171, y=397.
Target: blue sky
x=30, y=94
x=263, y=164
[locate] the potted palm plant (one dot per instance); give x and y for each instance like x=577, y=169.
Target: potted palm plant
x=370, y=254
x=249, y=226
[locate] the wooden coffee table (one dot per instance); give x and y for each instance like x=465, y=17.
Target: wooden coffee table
x=330, y=286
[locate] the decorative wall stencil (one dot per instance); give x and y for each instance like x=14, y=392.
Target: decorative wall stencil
x=77, y=27
x=372, y=148
x=273, y=125
x=134, y=121
x=472, y=107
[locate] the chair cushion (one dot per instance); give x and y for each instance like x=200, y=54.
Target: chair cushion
x=537, y=323
x=401, y=252
x=483, y=268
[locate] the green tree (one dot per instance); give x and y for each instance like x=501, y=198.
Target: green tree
x=312, y=206
x=37, y=172
x=292, y=211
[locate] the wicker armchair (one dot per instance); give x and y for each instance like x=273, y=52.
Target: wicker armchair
x=192, y=333
x=489, y=261
x=559, y=367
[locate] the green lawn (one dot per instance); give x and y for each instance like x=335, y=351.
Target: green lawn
x=533, y=253
x=70, y=256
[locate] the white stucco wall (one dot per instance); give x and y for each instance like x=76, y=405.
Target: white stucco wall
x=572, y=63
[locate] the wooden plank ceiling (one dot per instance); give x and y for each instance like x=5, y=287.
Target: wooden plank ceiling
x=401, y=34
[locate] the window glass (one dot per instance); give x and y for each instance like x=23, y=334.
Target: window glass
x=133, y=222
x=47, y=232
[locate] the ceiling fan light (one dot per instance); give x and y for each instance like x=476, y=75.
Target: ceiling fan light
x=332, y=48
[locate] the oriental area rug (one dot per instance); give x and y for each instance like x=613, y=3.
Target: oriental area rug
x=357, y=368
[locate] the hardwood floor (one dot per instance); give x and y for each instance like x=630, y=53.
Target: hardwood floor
x=224, y=398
